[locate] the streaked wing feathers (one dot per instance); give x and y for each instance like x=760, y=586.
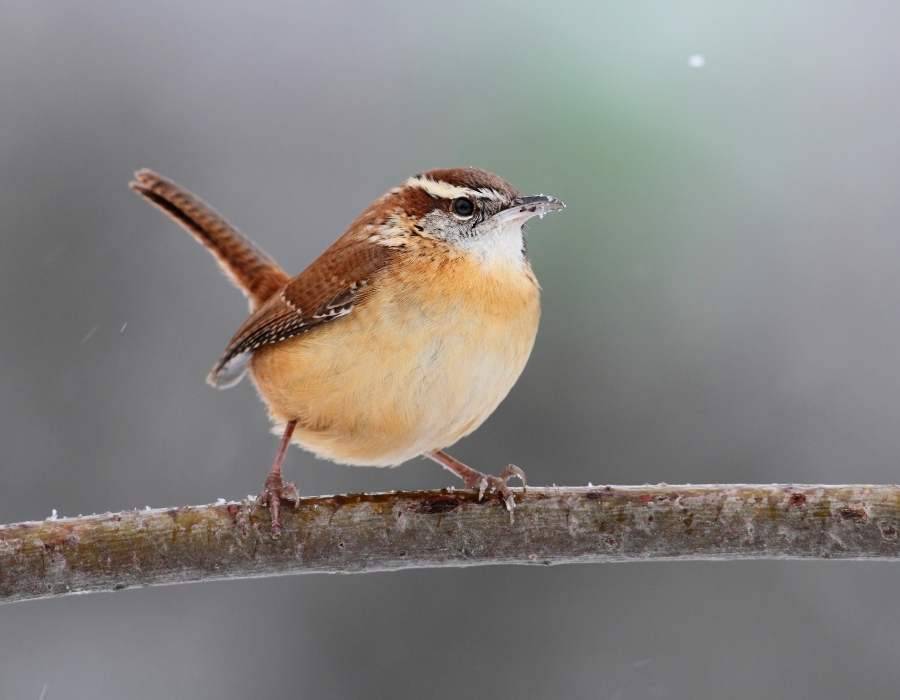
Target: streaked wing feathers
x=327, y=290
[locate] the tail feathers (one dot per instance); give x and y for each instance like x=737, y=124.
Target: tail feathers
x=248, y=267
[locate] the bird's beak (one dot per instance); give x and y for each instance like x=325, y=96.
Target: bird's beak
x=523, y=208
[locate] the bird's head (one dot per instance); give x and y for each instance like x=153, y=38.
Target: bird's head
x=468, y=209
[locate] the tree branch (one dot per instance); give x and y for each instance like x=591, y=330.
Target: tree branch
x=419, y=529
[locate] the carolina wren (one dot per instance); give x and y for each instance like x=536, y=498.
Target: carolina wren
x=398, y=340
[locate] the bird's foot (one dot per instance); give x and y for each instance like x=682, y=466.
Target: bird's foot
x=482, y=483
x=488, y=484
x=275, y=491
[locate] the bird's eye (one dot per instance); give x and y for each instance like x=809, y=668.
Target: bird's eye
x=463, y=207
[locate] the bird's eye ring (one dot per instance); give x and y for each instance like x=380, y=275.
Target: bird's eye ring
x=463, y=207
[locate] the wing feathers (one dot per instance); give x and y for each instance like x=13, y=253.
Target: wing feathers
x=282, y=307
x=332, y=287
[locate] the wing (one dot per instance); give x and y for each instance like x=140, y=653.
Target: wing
x=331, y=287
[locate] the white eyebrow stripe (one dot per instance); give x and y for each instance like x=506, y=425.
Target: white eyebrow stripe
x=444, y=190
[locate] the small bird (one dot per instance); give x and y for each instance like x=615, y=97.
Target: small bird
x=398, y=340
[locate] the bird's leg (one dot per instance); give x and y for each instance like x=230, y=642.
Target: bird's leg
x=276, y=489
x=483, y=483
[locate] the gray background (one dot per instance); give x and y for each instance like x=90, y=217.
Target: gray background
x=720, y=305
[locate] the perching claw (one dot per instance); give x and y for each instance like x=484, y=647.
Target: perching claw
x=483, y=483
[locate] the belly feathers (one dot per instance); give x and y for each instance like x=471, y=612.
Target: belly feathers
x=396, y=379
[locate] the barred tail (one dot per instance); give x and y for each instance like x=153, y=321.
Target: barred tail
x=248, y=267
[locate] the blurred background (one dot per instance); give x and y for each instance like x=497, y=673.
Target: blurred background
x=720, y=304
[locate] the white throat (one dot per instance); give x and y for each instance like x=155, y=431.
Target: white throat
x=502, y=244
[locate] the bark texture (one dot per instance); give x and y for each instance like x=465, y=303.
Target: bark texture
x=418, y=529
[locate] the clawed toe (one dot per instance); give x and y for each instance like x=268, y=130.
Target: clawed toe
x=490, y=484
x=482, y=483
x=274, y=492
x=513, y=471
x=290, y=492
